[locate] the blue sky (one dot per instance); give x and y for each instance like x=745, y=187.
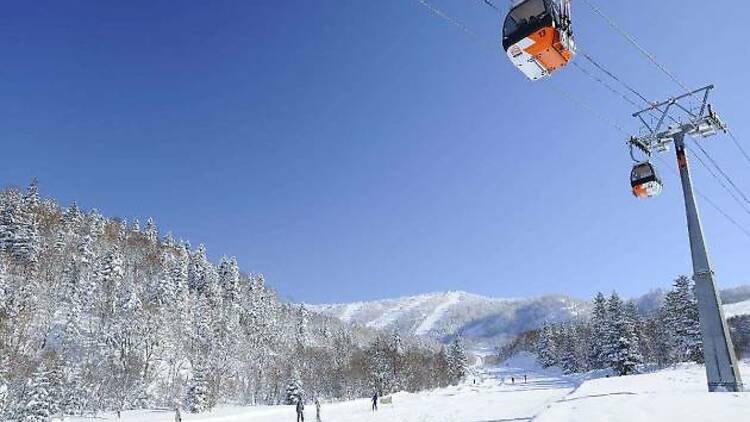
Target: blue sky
x=355, y=150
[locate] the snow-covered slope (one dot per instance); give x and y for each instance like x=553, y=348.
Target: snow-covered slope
x=739, y=308
x=442, y=315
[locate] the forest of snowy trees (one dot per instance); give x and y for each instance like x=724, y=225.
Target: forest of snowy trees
x=101, y=314
x=618, y=337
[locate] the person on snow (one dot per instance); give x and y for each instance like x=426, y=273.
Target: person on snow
x=375, y=402
x=177, y=416
x=300, y=410
x=317, y=409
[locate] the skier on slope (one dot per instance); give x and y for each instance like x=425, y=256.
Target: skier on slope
x=300, y=410
x=317, y=409
x=375, y=402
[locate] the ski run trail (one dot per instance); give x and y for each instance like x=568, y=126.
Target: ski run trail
x=489, y=395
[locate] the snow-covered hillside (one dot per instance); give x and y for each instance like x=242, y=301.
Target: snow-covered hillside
x=442, y=315
x=739, y=308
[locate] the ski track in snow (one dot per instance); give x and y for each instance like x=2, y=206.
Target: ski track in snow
x=349, y=311
x=393, y=313
x=428, y=323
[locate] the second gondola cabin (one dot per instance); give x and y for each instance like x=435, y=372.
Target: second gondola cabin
x=538, y=38
x=645, y=180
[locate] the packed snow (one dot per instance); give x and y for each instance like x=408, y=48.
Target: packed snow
x=500, y=394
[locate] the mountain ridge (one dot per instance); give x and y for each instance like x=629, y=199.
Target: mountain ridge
x=482, y=320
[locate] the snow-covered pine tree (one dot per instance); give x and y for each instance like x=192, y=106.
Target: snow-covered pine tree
x=71, y=218
x=457, y=361
x=74, y=393
x=294, y=390
x=379, y=371
x=136, y=226
x=624, y=355
x=4, y=399
x=151, y=232
x=97, y=223
x=36, y=406
x=302, y=333
x=229, y=278
x=546, y=349
x=660, y=342
x=681, y=318
x=5, y=294
x=598, y=355
x=197, y=399
x=19, y=232
x=32, y=193
x=56, y=390
x=108, y=276
x=198, y=270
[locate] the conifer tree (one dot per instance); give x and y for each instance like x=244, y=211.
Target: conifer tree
x=546, y=349
x=37, y=401
x=624, y=355
x=681, y=318
x=151, y=232
x=197, y=399
x=458, y=362
x=599, y=331
x=5, y=293
x=294, y=390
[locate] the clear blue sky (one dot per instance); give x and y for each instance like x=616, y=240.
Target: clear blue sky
x=364, y=149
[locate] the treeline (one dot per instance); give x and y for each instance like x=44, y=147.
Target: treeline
x=618, y=337
x=101, y=314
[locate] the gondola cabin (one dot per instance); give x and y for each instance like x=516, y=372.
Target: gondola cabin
x=538, y=38
x=645, y=180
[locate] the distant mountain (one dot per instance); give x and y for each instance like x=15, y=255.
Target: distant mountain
x=479, y=319
x=486, y=321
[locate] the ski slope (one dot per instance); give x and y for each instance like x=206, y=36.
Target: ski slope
x=437, y=314
x=675, y=394
x=735, y=309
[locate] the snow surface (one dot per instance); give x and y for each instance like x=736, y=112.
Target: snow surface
x=428, y=324
x=395, y=312
x=675, y=394
x=739, y=308
x=349, y=311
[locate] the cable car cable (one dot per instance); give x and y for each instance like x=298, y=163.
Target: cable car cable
x=709, y=201
x=606, y=85
x=495, y=8
x=611, y=75
x=737, y=143
x=635, y=44
x=723, y=173
x=731, y=193
x=449, y=19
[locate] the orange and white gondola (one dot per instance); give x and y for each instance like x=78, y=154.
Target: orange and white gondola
x=538, y=37
x=644, y=180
